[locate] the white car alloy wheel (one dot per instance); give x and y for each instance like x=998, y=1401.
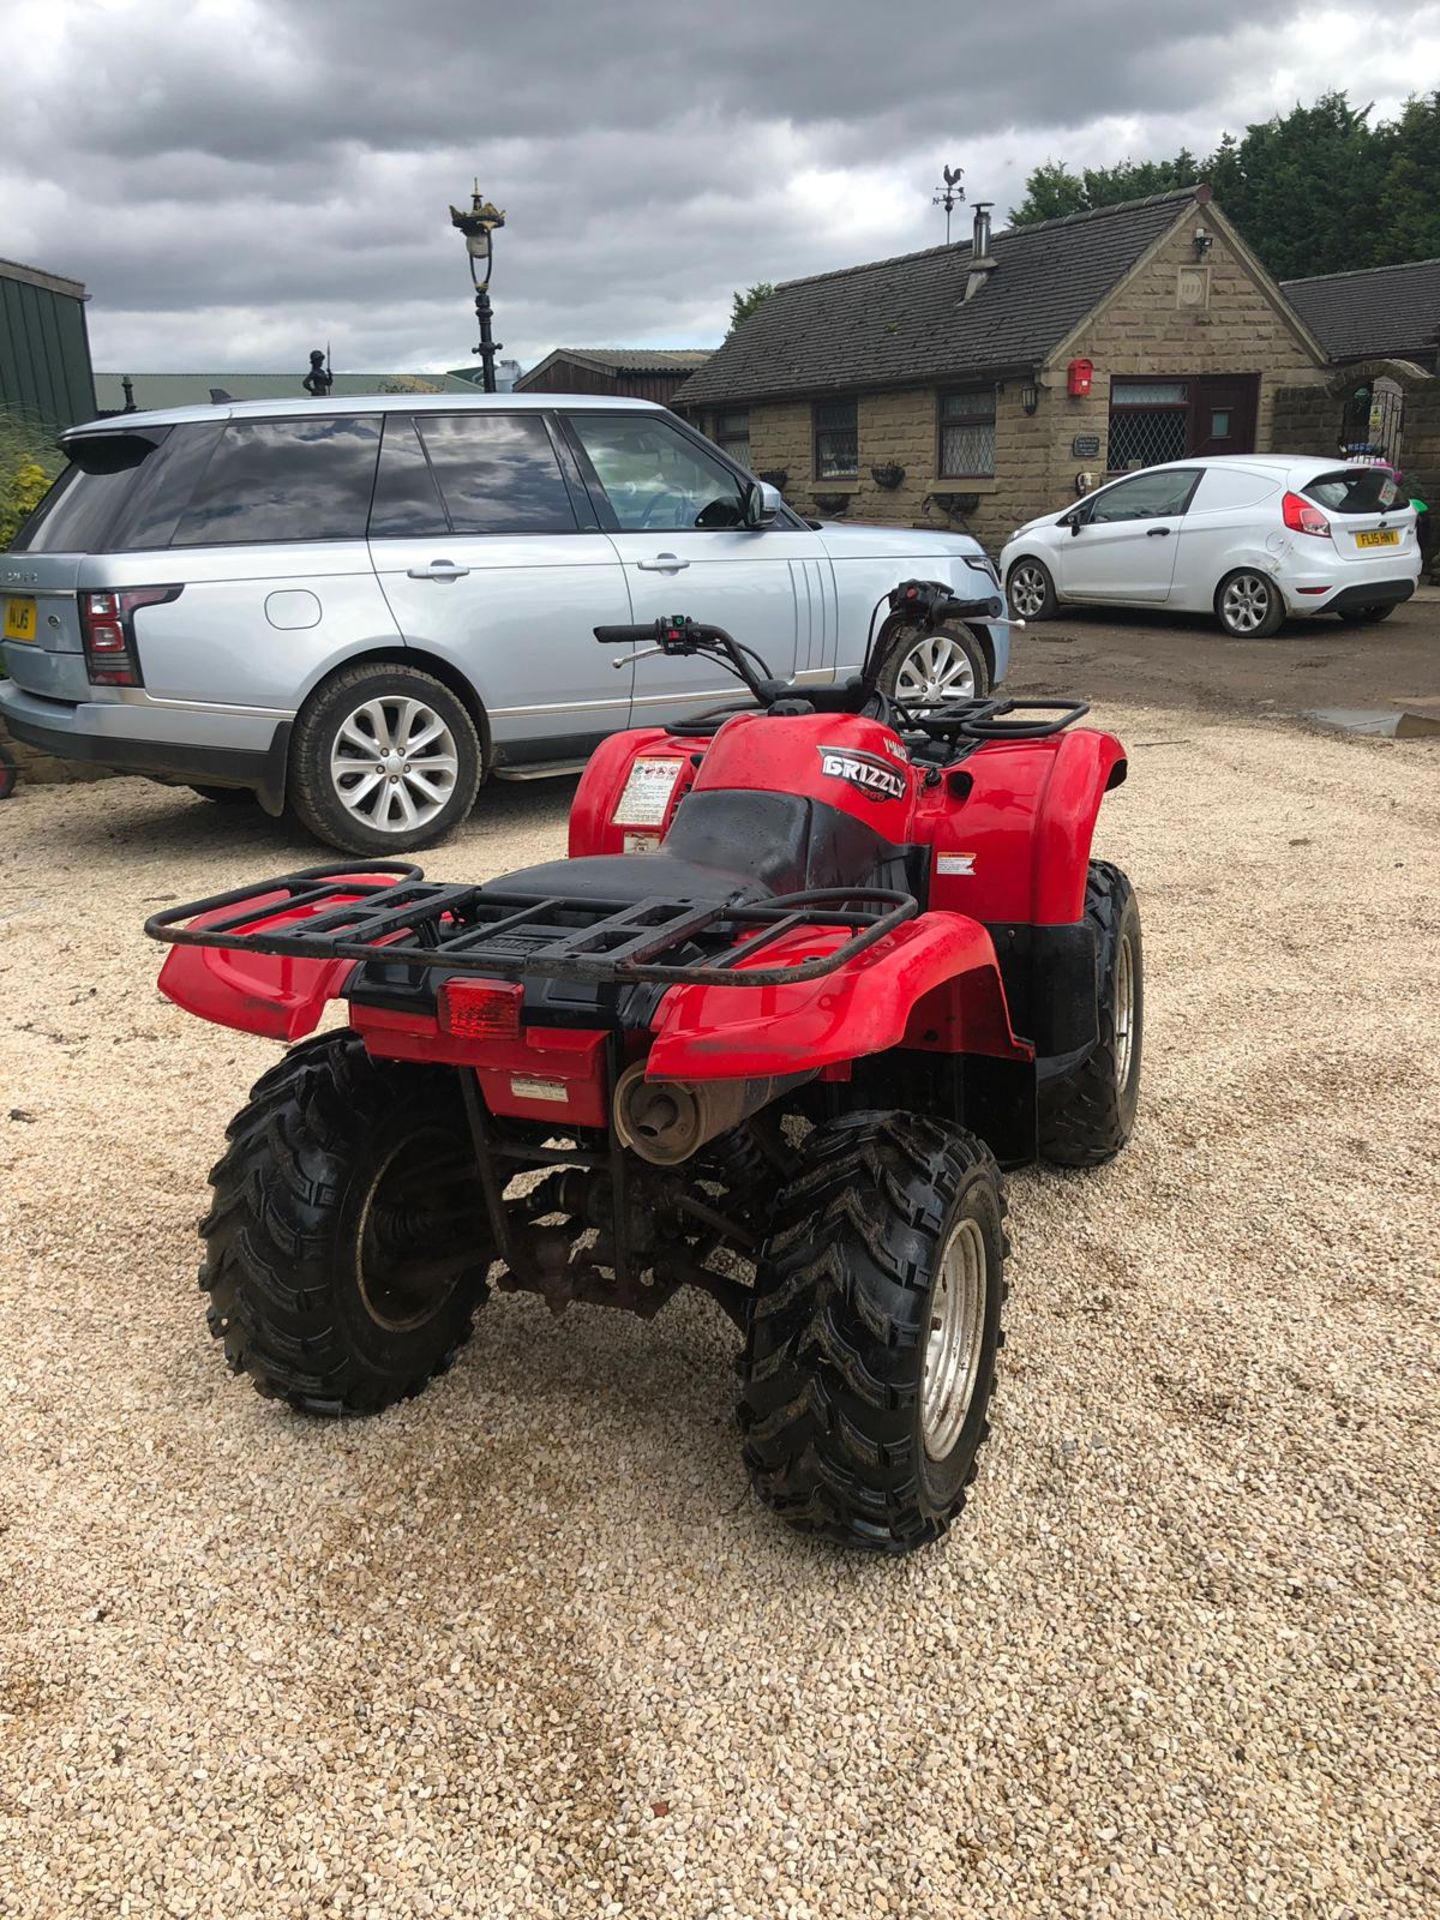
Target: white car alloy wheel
x=1245, y=603
x=1029, y=590
x=394, y=763
x=935, y=671
x=956, y=1339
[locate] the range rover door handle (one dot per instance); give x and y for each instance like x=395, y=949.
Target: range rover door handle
x=1157, y=533
x=438, y=570
x=663, y=563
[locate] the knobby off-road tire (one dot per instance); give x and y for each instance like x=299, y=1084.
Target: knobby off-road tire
x=868, y=1244
x=323, y=1219
x=1087, y=1116
x=1366, y=616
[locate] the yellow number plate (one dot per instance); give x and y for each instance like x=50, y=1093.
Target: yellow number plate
x=1382, y=537
x=20, y=618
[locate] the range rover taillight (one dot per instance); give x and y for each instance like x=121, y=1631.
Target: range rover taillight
x=107, y=627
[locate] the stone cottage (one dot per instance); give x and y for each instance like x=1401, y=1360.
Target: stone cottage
x=981, y=383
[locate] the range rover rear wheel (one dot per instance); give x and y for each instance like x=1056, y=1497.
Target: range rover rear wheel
x=384, y=758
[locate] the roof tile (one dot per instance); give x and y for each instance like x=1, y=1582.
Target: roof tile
x=890, y=321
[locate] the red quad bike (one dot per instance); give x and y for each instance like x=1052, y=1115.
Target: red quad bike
x=813, y=970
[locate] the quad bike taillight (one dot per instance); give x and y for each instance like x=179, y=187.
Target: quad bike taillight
x=481, y=1009
x=107, y=627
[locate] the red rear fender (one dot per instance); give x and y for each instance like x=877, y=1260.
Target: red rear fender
x=933, y=984
x=270, y=994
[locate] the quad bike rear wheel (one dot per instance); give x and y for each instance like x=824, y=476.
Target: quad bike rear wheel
x=1087, y=1115
x=870, y=1358
x=346, y=1249
x=1365, y=616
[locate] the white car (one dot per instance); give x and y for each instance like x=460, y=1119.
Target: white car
x=1250, y=538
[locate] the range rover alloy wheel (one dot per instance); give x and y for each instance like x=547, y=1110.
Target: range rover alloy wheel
x=384, y=759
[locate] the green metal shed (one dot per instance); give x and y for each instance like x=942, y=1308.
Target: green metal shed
x=44, y=348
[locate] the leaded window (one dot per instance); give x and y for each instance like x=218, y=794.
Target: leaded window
x=967, y=433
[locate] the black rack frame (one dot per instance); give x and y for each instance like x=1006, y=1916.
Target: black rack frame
x=406, y=920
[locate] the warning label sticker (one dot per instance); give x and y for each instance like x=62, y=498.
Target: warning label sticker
x=646, y=798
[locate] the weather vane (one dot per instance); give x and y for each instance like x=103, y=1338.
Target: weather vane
x=950, y=195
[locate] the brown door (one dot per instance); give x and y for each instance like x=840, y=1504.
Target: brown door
x=1222, y=413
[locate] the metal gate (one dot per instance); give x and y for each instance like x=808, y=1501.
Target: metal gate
x=1373, y=422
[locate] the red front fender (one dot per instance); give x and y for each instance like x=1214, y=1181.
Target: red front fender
x=934, y=984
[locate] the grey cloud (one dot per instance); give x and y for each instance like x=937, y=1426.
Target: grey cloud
x=228, y=181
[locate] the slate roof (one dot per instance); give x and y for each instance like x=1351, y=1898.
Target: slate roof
x=621, y=360
x=636, y=359
x=907, y=319
x=1373, y=313
x=161, y=391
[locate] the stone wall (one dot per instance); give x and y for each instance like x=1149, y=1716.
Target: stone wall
x=1143, y=329
x=1308, y=420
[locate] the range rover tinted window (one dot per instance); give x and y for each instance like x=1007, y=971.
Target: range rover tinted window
x=78, y=512
x=407, y=501
x=298, y=478
x=151, y=510
x=498, y=472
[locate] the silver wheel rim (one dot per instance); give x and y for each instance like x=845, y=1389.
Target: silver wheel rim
x=934, y=672
x=956, y=1339
x=392, y=1299
x=1124, y=1014
x=1027, y=591
x=394, y=763
x=1246, y=602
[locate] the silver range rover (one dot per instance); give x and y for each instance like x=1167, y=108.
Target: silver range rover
x=364, y=611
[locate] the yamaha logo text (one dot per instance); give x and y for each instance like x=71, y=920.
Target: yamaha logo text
x=871, y=775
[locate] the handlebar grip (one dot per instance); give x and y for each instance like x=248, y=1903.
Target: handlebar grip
x=621, y=636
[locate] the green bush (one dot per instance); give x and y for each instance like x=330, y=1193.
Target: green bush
x=28, y=463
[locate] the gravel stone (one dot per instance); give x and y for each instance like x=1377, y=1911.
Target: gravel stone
x=525, y=1646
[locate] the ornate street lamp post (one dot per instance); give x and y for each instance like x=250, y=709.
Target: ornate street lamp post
x=478, y=226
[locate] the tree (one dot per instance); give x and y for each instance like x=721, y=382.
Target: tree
x=746, y=303
x=1317, y=190
x=1051, y=191
x=1409, y=207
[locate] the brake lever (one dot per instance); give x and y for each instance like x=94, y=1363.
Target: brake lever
x=645, y=653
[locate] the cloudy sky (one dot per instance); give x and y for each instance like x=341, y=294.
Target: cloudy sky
x=238, y=180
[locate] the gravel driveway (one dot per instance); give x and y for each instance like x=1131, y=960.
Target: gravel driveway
x=526, y=1647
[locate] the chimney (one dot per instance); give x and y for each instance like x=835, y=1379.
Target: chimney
x=982, y=263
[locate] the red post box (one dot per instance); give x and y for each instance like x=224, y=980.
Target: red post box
x=1081, y=373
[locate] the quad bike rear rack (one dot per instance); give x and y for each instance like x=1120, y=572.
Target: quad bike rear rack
x=387, y=911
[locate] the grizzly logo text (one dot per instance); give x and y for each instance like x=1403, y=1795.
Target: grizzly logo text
x=871, y=775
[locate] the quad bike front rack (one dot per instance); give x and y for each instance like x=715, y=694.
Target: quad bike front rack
x=387, y=911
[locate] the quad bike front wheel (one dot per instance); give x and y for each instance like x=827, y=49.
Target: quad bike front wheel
x=1087, y=1115
x=346, y=1249
x=870, y=1358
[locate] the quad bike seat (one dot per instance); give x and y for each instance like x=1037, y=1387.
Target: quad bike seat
x=727, y=844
